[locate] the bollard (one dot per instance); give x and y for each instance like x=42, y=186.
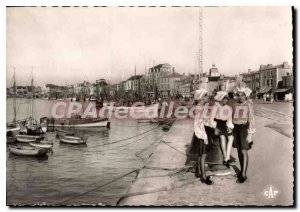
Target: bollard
x=215, y=156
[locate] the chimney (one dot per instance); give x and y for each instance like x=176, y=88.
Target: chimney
x=285, y=65
x=249, y=70
x=262, y=67
x=173, y=70
x=269, y=65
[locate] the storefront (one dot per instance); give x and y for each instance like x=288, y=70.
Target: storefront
x=283, y=94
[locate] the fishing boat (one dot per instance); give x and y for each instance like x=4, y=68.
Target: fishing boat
x=31, y=125
x=28, y=138
x=27, y=150
x=78, y=122
x=41, y=145
x=72, y=139
x=13, y=128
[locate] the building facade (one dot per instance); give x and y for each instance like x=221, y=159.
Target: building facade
x=167, y=84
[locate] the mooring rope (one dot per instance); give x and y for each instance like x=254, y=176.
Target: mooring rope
x=122, y=145
x=94, y=189
x=124, y=139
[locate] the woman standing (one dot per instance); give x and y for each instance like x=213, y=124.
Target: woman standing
x=224, y=126
x=243, y=120
x=201, y=137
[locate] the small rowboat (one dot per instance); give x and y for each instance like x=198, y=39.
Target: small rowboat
x=41, y=145
x=27, y=151
x=71, y=140
x=28, y=138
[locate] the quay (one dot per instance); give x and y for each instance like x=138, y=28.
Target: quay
x=168, y=176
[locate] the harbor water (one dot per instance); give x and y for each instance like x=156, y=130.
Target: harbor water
x=78, y=175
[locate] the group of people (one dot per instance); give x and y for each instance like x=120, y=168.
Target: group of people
x=232, y=125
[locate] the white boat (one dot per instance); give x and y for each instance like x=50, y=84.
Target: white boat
x=72, y=140
x=79, y=123
x=13, y=129
x=27, y=150
x=28, y=138
x=41, y=145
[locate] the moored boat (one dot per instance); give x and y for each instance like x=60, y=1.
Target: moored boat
x=28, y=138
x=27, y=150
x=13, y=128
x=78, y=122
x=72, y=140
x=41, y=145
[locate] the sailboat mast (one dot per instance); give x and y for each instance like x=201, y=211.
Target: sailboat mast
x=32, y=93
x=14, y=102
x=200, y=65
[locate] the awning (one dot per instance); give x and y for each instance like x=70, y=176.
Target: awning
x=265, y=89
x=282, y=90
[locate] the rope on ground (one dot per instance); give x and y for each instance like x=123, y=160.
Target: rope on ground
x=164, y=188
x=94, y=189
x=174, y=148
x=137, y=154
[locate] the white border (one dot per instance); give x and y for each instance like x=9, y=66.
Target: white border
x=5, y=3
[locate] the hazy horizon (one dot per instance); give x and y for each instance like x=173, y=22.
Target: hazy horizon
x=68, y=45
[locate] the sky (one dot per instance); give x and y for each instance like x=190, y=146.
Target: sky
x=68, y=45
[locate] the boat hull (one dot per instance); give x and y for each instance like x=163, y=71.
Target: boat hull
x=27, y=138
x=82, y=125
x=14, y=129
x=27, y=151
x=72, y=141
x=41, y=145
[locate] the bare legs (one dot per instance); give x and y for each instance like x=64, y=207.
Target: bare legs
x=229, y=146
x=226, y=149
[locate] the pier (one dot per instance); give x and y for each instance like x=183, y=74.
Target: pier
x=168, y=177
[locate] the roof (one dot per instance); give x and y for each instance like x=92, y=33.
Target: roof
x=277, y=66
x=160, y=65
x=136, y=77
x=173, y=75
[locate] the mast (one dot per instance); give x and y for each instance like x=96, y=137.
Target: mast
x=14, y=102
x=32, y=93
x=200, y=64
